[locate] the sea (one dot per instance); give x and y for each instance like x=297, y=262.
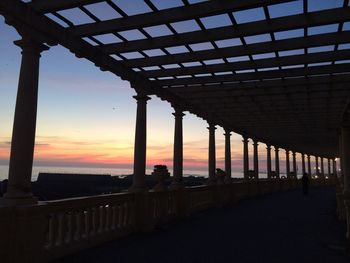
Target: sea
x=100, y=170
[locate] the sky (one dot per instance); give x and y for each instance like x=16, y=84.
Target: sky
x=86, y=117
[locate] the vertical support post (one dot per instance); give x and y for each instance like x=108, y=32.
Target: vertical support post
x=341, y=159
x=303, y=164
x=24, y=125
x=268, y=148
x=211, y=154
x=335, y=174
x=329, y=167
x=256, y=160
x=140, y=144
x=228, y=154
x=277, y=162
x=322, y=167
x=245, y=157
x=317, y=167
x=294, y=164
x=287, y=164
x=177, y=182
x=309, y=165
x=345, y=161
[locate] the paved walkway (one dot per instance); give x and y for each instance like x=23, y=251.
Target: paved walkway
x=281, y=227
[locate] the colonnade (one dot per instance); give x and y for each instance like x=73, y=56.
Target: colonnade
x=319, y=167
x=23, y=138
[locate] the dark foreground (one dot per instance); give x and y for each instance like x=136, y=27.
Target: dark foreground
x=281, y=227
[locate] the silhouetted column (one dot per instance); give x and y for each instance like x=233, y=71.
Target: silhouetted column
x=24, y=125
x=256, y=160
x=317, y=166
x=322, y=167
x=287, y=164
x=303, y=164
x=294, y=164
x=277, y=162
x=245, y=157
x=335, y=168
x=140, y=144
x=228, y=153
x=341, y=159
x=345, y=161
x=211, y=153
x=329, y=167
x=309, y=164
x=178, y=151
x=268, y=148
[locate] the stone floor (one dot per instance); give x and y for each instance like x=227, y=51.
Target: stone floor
x=282, y=227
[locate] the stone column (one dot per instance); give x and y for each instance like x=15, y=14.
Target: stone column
x=277, y=162
x=256, y=160
x=287, y=164
x=295, y=164
x=24, y=125
x=345, y=156
x=211, y=153
x=335, y=168
x=268, y=148
x=303, y=164
x=309, y=165
x=245, y=157
x=341, y=159
x=322, y=167
x=140, y=145
x=178, y=151
x=317, y=166
x=329, y=167
x=345, y=162
x=228, y=154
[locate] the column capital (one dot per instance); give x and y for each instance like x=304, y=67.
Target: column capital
x=276, y=149
x=178, y=114
x=255, y=143
x=211, y=127
x=294, y=153
x=29, y=45
x=227, y=133
x=287, y=152
x=141, y=98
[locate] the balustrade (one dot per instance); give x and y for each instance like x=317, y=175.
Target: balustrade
x=49, y=230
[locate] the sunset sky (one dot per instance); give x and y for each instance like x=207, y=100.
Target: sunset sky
x=86, y=117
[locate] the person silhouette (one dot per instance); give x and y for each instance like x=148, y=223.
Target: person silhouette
x=305, y=183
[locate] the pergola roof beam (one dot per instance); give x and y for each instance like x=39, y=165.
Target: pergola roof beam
x=46, y=6
x=254, y=28
x=264, y=47
x=295, y=72
x=262, y=85
x=243, y=65
x=170, y=15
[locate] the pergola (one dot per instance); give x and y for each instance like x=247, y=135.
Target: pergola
x=275, y=71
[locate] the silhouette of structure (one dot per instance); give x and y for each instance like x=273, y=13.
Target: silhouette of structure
x=282, y=80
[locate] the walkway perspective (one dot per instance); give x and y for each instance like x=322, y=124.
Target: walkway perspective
x=280, y=227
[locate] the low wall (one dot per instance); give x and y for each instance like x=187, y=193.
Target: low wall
x=49, y=230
